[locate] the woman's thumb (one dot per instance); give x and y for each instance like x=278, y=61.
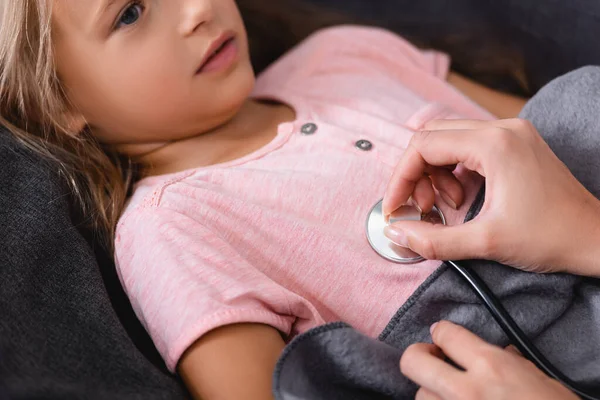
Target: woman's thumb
x=435, y=242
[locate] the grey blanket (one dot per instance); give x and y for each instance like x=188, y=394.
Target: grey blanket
x=561, y=313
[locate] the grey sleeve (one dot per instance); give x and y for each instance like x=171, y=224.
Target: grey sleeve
x=566, y=112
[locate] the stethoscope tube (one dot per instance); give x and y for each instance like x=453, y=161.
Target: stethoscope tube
x=518, y=338
x=376, y=221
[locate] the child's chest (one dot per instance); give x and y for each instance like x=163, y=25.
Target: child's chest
x=299, y=213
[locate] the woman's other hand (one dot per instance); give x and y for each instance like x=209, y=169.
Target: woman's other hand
x=536, y=215
x=489, y=372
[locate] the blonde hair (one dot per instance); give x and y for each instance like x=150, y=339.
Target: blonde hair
x=35, y=109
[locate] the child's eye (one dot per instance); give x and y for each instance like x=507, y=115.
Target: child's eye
x=130, y=15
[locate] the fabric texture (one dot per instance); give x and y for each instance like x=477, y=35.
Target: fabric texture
x=61, y=335
x=261, y=239
x=561, y=313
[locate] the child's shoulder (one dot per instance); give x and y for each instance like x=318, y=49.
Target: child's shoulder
x=314, y=53
x=148, y=194
x=348, y=34
x=350, y=40
x=349, y=49
x=353, y=37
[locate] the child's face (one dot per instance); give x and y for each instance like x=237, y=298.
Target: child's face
x=131, y=67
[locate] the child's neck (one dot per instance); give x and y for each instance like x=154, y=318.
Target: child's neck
x=254, y=126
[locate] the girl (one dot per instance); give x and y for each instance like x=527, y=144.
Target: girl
x=245, y=223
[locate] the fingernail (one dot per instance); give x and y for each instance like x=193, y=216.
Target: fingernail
x=415, y=204
x=384, y=208
x=396, y=235
x=448, y=200
x=432, y=328
x=385, y=201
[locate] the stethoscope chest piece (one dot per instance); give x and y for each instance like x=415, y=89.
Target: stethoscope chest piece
x=376, y=222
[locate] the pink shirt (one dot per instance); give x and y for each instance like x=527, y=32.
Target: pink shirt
x=278, y=236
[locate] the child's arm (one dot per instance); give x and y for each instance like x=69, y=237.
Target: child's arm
x=502, y=105
x=232, y=362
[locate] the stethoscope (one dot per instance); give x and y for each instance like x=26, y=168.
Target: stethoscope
x=376, y=222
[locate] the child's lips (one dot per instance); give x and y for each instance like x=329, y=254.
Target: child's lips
x=216, y=50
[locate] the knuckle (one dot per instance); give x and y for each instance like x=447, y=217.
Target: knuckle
x=517, y=123
x=483, y=363
x=503, y=140
x=431, y=124
x=421, y=137
x=487, y=364
x=523, y=125
x=428, y=249
x=526, y=129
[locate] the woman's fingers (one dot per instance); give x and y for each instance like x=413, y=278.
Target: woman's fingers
x=421, y=364
x=450, y=142
x=521, y=172
x=454, y=124
x=437, y=149
x=515, y=124
x=461, y=345
x=489, y=371
x=448, y=186
x=442, y=179
x=439, y=242
x=423, y=194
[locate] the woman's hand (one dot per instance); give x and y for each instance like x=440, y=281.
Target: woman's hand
x=490, y=372
x=536, y=215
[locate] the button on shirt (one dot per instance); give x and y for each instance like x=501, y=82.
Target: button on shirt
x=309, y=128
x=278, y=236
x=364, y=145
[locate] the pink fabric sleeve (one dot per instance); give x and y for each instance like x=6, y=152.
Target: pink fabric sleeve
x=423, y=72
x=384, y=50
x=184, y=281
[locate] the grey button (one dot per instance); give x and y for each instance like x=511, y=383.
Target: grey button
x=308, y=129
x=364, y=145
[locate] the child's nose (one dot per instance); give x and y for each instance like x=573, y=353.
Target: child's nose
x=194, y=14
